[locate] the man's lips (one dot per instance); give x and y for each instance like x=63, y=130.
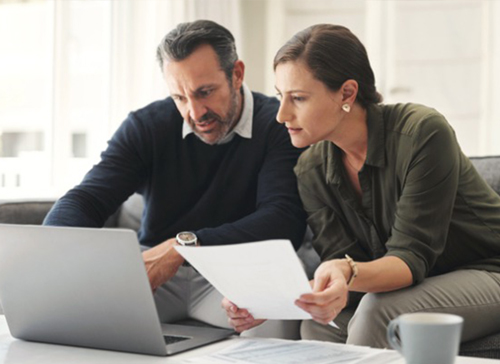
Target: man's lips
x=205, y=125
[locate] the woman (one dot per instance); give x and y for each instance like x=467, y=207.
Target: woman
x=397, y=210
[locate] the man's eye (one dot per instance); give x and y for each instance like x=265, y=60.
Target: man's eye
x=205, y=93
x=178, y=98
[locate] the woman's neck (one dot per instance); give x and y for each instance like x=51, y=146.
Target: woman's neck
x=353, y=138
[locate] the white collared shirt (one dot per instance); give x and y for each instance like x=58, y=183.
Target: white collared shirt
x=244, y=126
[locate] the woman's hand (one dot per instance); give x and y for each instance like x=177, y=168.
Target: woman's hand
x=330, y=292
x=239, y=318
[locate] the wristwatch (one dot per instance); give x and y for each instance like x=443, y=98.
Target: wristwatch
x=187, y=238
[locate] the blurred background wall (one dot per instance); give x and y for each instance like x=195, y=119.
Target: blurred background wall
x=71, y=70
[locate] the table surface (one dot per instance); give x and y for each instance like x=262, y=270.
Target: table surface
x=13, y=351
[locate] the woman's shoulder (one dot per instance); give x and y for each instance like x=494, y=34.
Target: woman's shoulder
x=314, y=157
x=411, y=118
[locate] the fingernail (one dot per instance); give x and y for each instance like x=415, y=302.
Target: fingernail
x=233, y=308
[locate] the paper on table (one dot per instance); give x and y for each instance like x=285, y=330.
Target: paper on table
x=273, y=351
x=264, y=277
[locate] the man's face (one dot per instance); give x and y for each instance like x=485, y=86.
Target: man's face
x=203, y=95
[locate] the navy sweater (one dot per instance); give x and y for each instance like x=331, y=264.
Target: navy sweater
x=241, y=191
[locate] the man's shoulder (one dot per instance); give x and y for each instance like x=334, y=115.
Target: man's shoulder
x=160, y=110
x=264, y=107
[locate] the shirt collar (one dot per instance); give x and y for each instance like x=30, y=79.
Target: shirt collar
x=375, y=155
x=244, y=126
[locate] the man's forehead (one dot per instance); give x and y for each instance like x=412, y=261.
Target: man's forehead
x=193, y=73
x=178, y=84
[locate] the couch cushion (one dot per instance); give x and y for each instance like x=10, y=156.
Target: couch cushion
x=489, y=169
x=130, y=213
x=24, y=212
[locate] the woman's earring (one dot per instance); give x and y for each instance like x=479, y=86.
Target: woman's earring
x=346, y=107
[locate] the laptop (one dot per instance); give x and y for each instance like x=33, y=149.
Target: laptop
x=86, y=287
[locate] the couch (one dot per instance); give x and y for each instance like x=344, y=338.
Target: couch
x=129, y=216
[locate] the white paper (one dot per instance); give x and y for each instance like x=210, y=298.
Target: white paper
x=273, y=351
x=264, y=277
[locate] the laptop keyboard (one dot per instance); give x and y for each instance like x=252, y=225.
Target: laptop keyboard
x=170, y=339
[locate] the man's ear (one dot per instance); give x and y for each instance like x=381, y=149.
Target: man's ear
x=238, y=74
x=349, y=91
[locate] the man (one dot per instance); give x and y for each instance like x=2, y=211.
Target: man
x=210, y=159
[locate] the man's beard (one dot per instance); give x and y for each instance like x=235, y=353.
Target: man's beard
x=225, y=125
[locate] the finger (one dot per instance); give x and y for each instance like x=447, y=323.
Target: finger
x=241, y=314
x=241, y=323
x=320, y=283
x=334, y=291
x=242, y=326
x=327, y=312
x=227, y=305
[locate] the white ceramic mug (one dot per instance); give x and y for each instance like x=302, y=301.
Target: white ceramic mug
x=426, y=338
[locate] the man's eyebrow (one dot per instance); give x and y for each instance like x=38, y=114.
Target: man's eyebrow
x=210, y=85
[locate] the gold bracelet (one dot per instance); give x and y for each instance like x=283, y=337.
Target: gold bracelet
x=354, y=269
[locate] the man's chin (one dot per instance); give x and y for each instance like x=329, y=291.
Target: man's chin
x=209, y=138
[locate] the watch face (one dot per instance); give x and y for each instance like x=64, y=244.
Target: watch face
x=186, y=238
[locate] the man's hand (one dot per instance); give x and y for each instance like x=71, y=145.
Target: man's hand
x=238, y=318
x=330, y=293
x=162, y=262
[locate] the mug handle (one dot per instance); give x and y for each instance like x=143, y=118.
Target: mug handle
x=391, y=335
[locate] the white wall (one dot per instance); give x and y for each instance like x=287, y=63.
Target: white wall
x=441, y=53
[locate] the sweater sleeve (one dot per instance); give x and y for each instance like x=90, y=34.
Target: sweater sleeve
x=279, y=213
x=108, y=184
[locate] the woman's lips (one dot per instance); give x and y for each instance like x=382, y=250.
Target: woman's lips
x=294, y=130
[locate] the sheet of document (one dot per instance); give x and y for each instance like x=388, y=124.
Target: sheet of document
x=274, y=351
x=264, y=277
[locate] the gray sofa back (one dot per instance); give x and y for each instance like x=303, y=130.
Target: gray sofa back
x=489, y=169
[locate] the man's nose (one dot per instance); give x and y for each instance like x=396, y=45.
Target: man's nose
x=196, y=110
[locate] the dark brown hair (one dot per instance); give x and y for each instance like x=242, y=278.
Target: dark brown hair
x=334, y=55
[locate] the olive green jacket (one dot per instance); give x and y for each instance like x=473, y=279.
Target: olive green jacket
x=423, y=201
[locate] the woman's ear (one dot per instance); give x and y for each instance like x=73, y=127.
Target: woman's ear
x=349, y=91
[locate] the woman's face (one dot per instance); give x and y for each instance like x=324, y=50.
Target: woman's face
x=310, y=111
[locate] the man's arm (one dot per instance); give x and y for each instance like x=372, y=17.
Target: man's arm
x=108, y=184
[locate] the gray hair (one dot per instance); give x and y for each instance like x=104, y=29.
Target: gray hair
x=182, y=41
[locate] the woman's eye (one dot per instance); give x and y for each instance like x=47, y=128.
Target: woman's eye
x=298, y=98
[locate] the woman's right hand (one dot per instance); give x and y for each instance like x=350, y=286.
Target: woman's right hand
x=330, y=292
x=239, y=318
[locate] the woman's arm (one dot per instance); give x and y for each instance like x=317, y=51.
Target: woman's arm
x=381, y=275
x=330, y=289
